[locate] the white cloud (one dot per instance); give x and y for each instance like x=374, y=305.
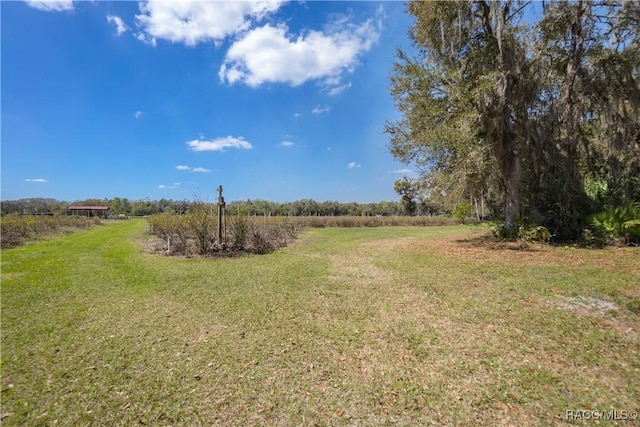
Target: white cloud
x=287, y=144
x=272, y=54
x=265, y=53
x=317, y=110
x=353, y=165
x=193, y=22
x=36, y=180
x=121, y=27
x=218, y=144
x=138, y=114
x=339, y=89
x=171, y=186
x=144, y=38
x=296, y=115
x=51, y=5
x=403, y=171
x=190, y=169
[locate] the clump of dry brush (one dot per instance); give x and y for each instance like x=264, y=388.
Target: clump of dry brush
x=196, y=232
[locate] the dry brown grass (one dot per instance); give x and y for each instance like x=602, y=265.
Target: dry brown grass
x=485, y=248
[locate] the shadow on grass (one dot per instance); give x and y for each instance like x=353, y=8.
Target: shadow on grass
x=489, y=242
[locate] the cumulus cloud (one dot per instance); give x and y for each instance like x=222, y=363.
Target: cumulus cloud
x=353, y=165
x=287, y=144
x=202, y=170
x=271, y=54
x=218, y=144
x=138, y=114
x=183, y=168
x=121, y=27
x=261, y=52
x=51, y=5
x=317, y=110
x=193, y=22
x=36, y=180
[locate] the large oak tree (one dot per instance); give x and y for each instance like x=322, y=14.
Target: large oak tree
x=530, y=115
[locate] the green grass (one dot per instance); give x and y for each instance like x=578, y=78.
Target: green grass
x=363, y=326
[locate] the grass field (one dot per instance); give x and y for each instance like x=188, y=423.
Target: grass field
x=364, y=326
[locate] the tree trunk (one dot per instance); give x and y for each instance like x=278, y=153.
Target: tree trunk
x=574, y=59
x=506, y=145
x=512, y=178
x=511, y=165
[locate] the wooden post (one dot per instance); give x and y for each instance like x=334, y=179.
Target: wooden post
x=221, y=205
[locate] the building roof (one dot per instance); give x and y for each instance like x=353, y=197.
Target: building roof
x=88, y=208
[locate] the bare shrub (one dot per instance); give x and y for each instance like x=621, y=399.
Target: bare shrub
x=13, y=231
x=263, y=234
x=200, y=219
x=238, y=230
x=16, y=229
x=259, y=241
x=173, y=228
x=289, y=229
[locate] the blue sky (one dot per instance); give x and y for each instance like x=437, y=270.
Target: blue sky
x=272, y=100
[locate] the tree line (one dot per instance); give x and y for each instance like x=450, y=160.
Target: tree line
x=533, y=120
x=117, y=205
x=147, y=207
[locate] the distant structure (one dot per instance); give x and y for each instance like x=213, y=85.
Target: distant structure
x=90, y=211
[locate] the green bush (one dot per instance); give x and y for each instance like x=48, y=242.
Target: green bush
x=462, y=210
x=537, y=233
x=525, y=232
x=617, y=225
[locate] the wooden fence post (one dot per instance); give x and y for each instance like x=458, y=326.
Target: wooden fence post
x=221, y=205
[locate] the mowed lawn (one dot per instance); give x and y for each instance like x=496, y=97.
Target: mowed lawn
x=364, y=326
